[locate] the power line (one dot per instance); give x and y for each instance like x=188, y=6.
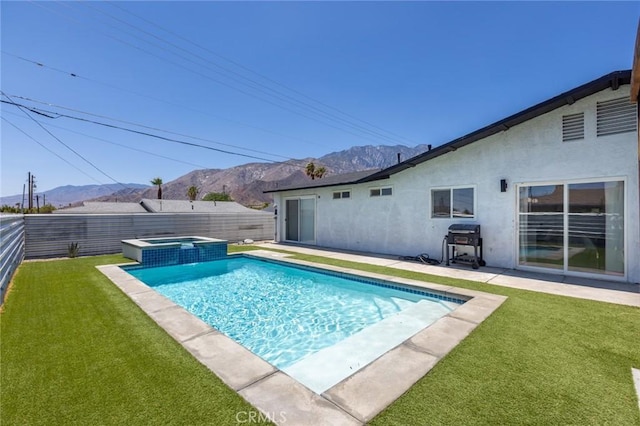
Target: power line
x=44, y=113
x=253, y=71
x=254, y=84
x=20, y=107
x=145, y=126
x=51, y=151
x=112, y=86
x=119, y=144
x=180, y=65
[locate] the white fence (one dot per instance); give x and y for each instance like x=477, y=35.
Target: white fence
x=11, y=248
x=48, y=235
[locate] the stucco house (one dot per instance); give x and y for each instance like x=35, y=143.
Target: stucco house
x=554, y=188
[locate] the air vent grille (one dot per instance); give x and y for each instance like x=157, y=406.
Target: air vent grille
x=573, y=127
x=616, y=116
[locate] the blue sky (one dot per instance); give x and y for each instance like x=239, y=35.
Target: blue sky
x=278, y=80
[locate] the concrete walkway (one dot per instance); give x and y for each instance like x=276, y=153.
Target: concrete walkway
x=583, y=288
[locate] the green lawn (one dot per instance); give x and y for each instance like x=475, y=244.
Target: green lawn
x=75, y=350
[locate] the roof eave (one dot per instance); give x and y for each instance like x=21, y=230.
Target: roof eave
x=635, y=73
x=353, y=178
x=311, y=187
x=612, y=80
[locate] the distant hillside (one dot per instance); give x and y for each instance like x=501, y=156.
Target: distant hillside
x=247, y=182
x=70, y=194
x=368, y=157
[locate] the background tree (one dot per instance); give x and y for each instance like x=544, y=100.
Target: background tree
x=158, y=181
x=217, y=196
x=47, y=208
x=192, y=192
x=314, y=172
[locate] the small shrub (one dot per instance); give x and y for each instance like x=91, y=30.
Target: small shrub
x=72, y=249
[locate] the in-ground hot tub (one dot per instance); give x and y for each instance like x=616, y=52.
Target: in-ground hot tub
x=174, y=250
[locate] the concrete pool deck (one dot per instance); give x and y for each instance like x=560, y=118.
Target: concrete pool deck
x=356, y=398
x=561, y=285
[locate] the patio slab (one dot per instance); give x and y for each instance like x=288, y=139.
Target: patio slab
x=233, y=363
x=636, y=382
x=124, y=281
x=151, y=300
x=476, y=310
x=179, y=323
x=542, y=283
x=601, y=290
x=439, y=339
x=373, y=388
x=286, y=401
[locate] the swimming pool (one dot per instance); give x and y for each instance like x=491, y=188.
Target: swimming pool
x=283, y=313
x=354, y=379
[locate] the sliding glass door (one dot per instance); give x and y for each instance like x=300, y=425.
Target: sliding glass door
x=542, y=226
x=572, y=227
x=300, y=217
x=596, y=227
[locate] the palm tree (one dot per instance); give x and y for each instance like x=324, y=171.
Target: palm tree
x=192, y=192
x=320, y=172
x=158, y=181
x=314, y=172
x=310, y=170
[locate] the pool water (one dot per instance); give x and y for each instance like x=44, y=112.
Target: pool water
x=279, y=312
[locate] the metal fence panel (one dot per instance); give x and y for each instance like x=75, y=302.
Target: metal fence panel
x=12, y=236
x=49, y=235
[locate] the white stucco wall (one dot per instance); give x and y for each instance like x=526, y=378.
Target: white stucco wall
x=532, y=152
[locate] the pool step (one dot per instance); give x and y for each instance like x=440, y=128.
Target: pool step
x=327, y=367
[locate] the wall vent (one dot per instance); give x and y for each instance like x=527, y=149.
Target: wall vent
x=573, y=127
x=616, y=116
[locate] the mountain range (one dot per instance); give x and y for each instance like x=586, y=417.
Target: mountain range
x=71, y=194
x=245, y=183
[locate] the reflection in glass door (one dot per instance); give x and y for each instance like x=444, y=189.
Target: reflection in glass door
x=596, y=227
x=307, y=220
x=576, y=227
x=541, y=226
x=291, y=220
x=300, y=220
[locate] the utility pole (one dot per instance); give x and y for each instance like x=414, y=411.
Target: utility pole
x=38, y=202
x=22, y=205
x=33, y=187
x=30, y=183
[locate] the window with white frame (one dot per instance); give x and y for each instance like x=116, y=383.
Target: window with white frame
x=380, y=192
x=337, y=195
x=453, y=202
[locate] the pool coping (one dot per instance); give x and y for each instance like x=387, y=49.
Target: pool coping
x=356, y=399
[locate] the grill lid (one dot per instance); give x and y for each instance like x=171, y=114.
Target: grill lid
x=464, y=228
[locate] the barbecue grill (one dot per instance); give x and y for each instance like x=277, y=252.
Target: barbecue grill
x=465, y=234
